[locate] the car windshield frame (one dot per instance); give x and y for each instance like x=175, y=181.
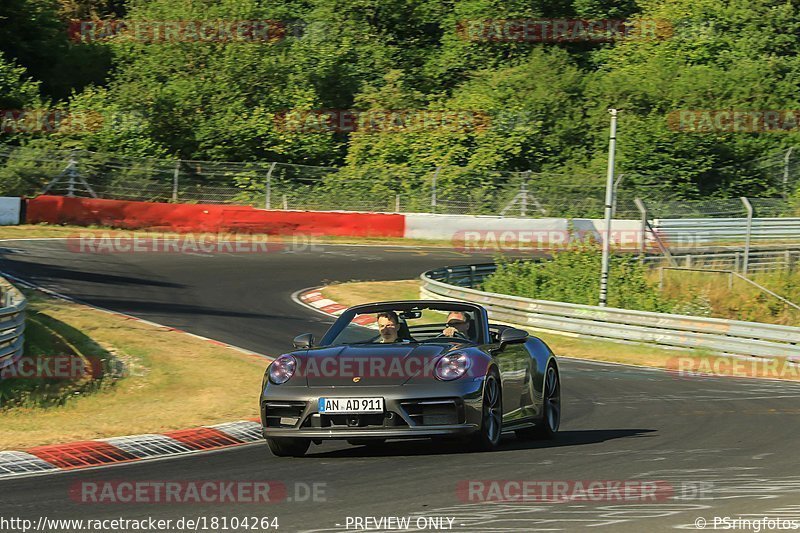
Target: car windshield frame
x=346, y=318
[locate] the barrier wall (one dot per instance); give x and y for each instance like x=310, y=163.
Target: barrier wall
x=209, y=218
x=478, y=231
x=470, y=231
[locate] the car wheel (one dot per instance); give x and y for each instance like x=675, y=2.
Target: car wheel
x=288, y=447
x=370, y=443
x=547, y=428
x=488, y=436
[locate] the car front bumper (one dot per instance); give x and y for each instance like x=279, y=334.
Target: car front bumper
x=411, y=411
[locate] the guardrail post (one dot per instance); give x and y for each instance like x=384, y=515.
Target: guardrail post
x=749, y=207
x=472, y=276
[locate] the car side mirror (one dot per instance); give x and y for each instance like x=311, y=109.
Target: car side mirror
x=306, y=340
x=512, y=336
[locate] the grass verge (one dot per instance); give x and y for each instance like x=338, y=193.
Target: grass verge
x=39, y=231
x=690, y=362
x=164, y=380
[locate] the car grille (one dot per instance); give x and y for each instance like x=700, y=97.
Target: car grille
x=365, y=420
x=435, y=412
x=282, y=414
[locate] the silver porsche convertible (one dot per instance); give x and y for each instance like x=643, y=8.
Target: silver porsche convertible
x=411, y=369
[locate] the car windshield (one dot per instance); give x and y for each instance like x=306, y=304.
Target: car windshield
x=410, y=326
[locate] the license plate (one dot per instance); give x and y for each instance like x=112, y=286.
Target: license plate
x=350, y=405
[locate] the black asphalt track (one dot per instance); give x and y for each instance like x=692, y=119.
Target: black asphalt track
x=723, y=447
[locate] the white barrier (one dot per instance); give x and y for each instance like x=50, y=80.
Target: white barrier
x=627, y=233
x=10, y=211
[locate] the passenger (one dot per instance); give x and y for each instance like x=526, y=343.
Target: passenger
x=457, y=325
x=388, y=323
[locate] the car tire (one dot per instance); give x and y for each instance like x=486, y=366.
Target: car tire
x=283, y=447
x=369, y=443
x=547, y=427
x=488, y=436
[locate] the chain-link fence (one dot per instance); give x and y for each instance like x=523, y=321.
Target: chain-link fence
x=272, y=185
x=389, y=188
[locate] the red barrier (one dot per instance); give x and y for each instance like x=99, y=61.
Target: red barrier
x=209, y=218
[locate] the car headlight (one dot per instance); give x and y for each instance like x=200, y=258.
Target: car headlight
x=282, y=369
x=452, y=366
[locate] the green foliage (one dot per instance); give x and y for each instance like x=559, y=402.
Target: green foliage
x=34, y=34
x=545, y=104
x=573, y=276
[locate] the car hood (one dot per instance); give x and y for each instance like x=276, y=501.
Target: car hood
x=369, y=364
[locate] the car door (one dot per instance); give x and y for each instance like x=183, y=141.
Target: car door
x=514, y=364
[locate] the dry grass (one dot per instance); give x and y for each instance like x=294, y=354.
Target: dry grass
x=361, y=292
x=570, y=346
x=709, y=294
x=175, y=381
x=38, y=231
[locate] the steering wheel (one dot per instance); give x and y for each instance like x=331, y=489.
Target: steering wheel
x=456, y=335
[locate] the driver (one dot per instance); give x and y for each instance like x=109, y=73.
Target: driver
x=388, y=322
x=457, y=325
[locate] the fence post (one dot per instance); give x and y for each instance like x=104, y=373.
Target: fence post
x=268, y=192
x=736, y=262
x=285, y=203
x=643, y=236
x=175, y=175
x=71, y=176
x=396, y=203
x=523, y=194
x=660, y=278
x=433, y=189
x=749, y=207
x=616, y=194
x=786, y=159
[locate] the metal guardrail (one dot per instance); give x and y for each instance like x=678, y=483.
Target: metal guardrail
x=758, y=261
x=12, y=323
x=705, y=230
x=682, y=331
